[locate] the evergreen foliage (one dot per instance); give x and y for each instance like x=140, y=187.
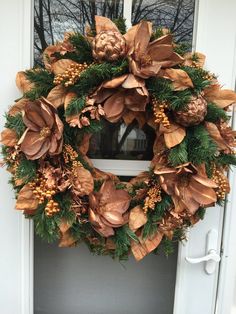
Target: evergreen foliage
x=15, y=123
x=179, y=154
x=201, y=213
x=201, y=147
x=169, y=245
x=83, y=48
x=182, y=48
x=215, y=113
x=122, y=238
x=98, y=73
x=26, y=170
x=120, y=23
x=75, y=106
x=43, y=83
x=154, y=216
x=157, y=33
x=163, y=91
x=94, y=127
x=226, y=159
x=46, y=227
x=197, y=76
x=64, y=201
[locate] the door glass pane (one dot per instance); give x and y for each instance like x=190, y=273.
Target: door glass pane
x=118, y=141
x=52, y=18
x=176, y=15
x=72, y=281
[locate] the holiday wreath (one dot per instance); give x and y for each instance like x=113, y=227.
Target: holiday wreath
x=110, y=75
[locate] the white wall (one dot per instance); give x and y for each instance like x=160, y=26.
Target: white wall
x=14, y=239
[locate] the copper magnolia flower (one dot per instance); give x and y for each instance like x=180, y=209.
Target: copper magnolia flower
x=108, y=208
x=147, y=58
x=120, y=95
x=44, y=130
x=188, y=186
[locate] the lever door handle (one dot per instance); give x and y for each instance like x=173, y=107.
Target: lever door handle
x=211, y=258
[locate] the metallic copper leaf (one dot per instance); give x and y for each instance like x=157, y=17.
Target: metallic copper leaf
x=61, y=65
x=221, y=97
x=83, y=183
x=57, y=96
x=104, y=24
x=137, y=218
x=180, y=78
x=8, y=137
x=144, y=247
x=23, y=84
x=26, y=199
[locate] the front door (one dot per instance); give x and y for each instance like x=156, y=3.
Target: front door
x=72, y=280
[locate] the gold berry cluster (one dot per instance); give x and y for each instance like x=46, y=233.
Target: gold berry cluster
x=69, y=154
x=51, y=208
x=195, y=64
x=153, y=196
x=159, y=112
x=75, y=165
x=219, y=178
x=43, y=193
x=71, y=75
x=209, y=76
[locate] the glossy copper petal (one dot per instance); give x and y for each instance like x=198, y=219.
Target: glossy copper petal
x=160, y=52
x=32, y=143
x=32, y=116
x=142, y=38
x=114, y=107
x=104, y=24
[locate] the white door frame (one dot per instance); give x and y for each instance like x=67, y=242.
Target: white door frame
x=208, y=18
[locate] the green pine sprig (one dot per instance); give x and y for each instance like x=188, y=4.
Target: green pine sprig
x=96, y=74
x=179, y=154
x=215, y=113
x=43, y=83
x=15, y=123
x=201, y=147
x=83, y=48
x=26, y=170
x=75, y=106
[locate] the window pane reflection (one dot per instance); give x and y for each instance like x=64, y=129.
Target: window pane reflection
x=177, y=15
x=118, y=141
x=52, y=18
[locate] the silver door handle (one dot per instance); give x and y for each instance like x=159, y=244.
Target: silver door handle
x=211, y=258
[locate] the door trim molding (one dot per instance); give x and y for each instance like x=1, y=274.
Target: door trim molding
x=27, y=229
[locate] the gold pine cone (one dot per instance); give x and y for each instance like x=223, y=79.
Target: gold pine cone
x=193, y=114
x=109, y=46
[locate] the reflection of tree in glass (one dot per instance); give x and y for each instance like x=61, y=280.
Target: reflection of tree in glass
x=118, y=141
x=177, y=15
x=53, y=17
